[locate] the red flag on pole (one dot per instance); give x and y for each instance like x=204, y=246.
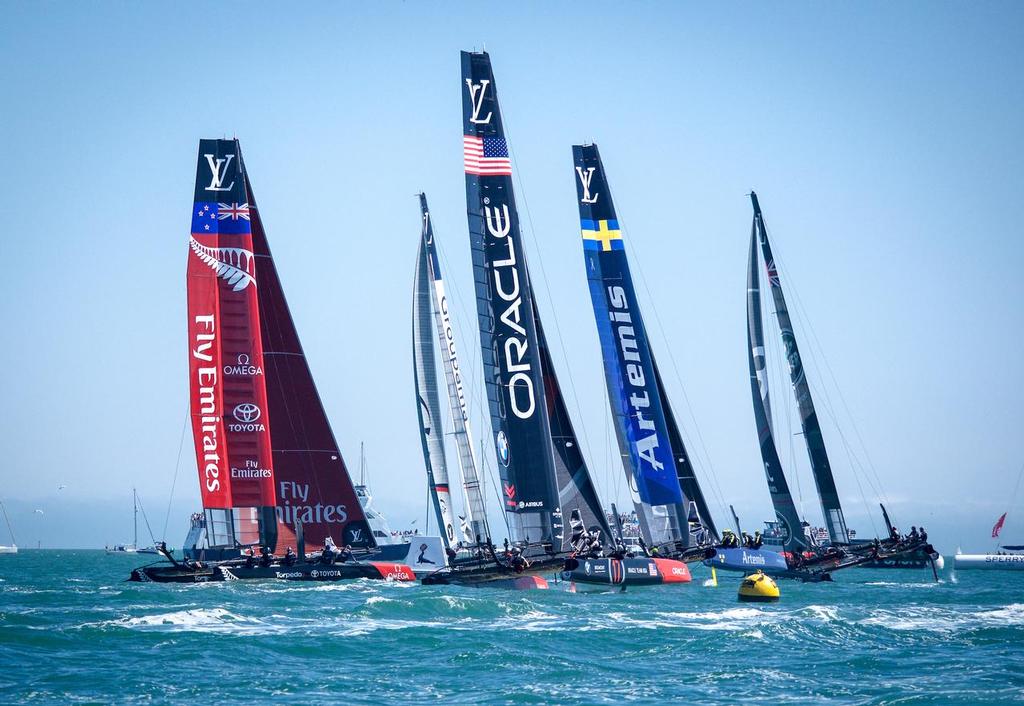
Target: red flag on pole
x=998, y=525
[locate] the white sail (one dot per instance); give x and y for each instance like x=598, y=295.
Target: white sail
x=475, y=516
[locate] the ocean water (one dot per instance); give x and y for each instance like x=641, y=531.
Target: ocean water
x=72, y=631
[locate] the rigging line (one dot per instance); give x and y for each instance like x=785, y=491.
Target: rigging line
x=551, y=302
x=497, y=495
x=481, y=406
x=712, y=475
x=144, y=518
x=825, y=401
x=816, y=343
x=177, y=468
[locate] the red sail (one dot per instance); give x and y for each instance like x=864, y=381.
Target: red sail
x=229, y=411
x=263, y=442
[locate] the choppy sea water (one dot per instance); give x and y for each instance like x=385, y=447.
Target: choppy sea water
x=71, y=630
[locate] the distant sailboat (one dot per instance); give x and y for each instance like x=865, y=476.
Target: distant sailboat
x=11, y=548
x=134, y=547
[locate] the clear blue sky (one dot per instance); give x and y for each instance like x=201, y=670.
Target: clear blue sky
x=884, y=140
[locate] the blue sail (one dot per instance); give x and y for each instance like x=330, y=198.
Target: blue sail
x=633, y=389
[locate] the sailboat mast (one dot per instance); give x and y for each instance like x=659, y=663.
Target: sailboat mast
x=823, y=478
x=135, y=518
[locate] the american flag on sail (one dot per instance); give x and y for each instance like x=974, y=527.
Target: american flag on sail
x=486, y=156
x=998, y=526
x=773, y=274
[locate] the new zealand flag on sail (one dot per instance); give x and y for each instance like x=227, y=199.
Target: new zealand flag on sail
x=632, y=384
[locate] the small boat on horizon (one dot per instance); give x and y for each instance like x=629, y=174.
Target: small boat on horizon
x=134, y=547
x=11, y=548
x=1006, y=557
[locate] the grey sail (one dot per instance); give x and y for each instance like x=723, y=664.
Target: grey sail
x=782, y=500
x=475, y=518
x=684, y=468
x=428, y=398
x=823, y=479
x=576, y=491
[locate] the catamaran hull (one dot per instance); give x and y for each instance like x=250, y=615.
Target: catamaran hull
x=622, y=573
x=747, y=560
x=497, y=576
x=8, y=549
x=990, y=562
x=296, y=572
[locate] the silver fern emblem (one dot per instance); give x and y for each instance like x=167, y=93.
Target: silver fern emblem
x=233, y=265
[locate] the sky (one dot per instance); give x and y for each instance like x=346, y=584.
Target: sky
x=883, y=140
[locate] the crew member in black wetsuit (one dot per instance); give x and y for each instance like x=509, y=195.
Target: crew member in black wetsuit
x=757, y=541
x=913, y=536
x=327, y=554
x=250, y=560
x=346, y=554
x=265, y=556
x=894, y=534
x=289, y=557
x=924, y=535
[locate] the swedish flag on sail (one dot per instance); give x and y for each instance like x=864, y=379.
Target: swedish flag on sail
x=601, y=235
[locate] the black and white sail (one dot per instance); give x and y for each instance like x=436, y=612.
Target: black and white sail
x=513, y=371
x=793, y=538
x=823, y=479
x=431, y=319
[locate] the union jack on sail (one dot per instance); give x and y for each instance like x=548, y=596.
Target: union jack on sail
x=233, y=211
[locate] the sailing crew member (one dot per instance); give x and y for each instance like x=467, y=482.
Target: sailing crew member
x=327, y=553
x=250, y=559
x=894, y=534
x=913, y=536
x=289, y=557
x=748, y=542
x=265, y=556
x=346, y=554
x=924, y=535
x=757, y=541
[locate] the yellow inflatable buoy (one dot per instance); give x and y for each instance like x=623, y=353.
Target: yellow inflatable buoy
x=759, y=587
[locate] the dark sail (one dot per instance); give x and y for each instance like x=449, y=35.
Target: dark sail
x=576, y=491
x=684, y=468
x=635, y=395
x=508, y=334
x=782, y=500
x=313, y=485
x=823, y=479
